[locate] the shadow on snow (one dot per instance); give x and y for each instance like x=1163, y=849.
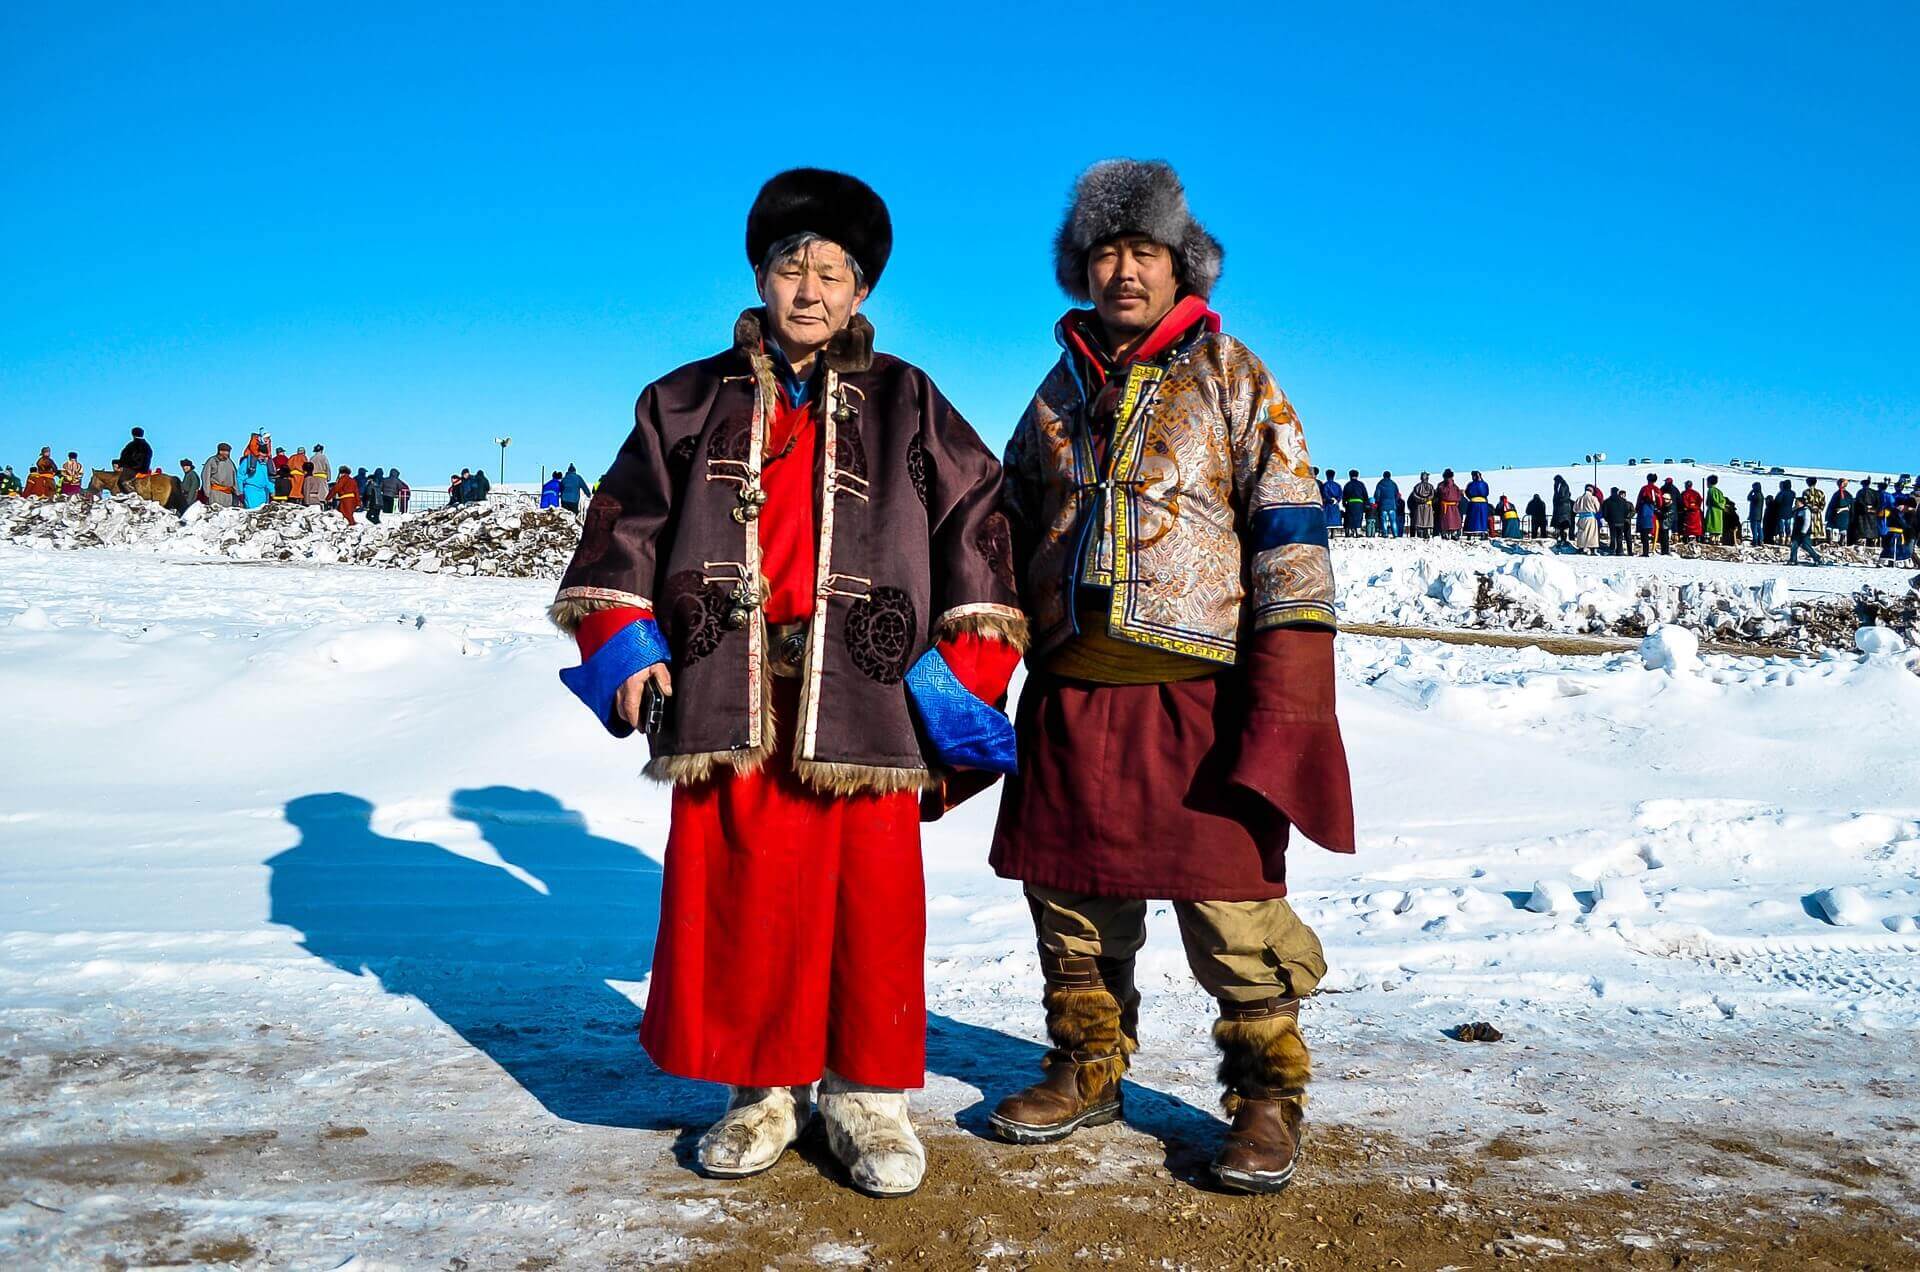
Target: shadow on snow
x=522, y=975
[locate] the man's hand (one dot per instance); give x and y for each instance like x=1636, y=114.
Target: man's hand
x=627, y=701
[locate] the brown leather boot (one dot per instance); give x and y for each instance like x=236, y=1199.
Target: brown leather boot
x=1265, y=1066
x=1091, y=1010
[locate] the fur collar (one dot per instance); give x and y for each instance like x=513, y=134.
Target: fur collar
x=850, y=350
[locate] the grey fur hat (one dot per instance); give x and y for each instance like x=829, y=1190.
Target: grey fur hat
x=1133, y=196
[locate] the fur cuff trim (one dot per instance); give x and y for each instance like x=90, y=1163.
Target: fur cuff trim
x=998, y=621
x=1262, y=1053
x=575, y=603
x=1087, y=1021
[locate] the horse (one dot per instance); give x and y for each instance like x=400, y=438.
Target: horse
x=157, y=488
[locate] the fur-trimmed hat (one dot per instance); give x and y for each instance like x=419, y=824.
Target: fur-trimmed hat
x=831, y=204
x=1133, y=196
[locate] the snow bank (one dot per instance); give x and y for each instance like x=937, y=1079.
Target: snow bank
x=507, y=538
x=1404, y=583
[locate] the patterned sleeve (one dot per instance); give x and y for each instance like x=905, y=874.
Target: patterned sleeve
x=970, y=538
x=1289, y=574
x=614, y=564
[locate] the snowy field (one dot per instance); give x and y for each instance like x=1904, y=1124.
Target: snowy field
x=325, y=915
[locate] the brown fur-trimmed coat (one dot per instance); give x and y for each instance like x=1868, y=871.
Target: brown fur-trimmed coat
x=911, y=547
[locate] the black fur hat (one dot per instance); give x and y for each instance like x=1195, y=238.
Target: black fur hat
x=1133, y=196
x=831, y=204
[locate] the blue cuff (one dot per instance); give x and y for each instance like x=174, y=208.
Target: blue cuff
x=965, y=732
x=596, y=681
x=1276, y=527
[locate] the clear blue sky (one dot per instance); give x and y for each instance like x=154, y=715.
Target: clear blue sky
x=1468, y=235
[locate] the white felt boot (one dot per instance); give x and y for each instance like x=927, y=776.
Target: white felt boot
x=760, y=1124
x=869, y=1131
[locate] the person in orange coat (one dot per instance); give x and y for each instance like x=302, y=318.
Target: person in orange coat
x=43, y=479
x=346, y=493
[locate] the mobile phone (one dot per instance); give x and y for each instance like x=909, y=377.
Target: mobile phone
x=653, y=709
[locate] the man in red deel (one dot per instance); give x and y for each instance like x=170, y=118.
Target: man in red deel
x=799, y=549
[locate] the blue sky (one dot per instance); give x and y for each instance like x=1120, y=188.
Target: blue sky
x=1461, y=235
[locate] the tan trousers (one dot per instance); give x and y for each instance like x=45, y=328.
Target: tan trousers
x=1240, y=951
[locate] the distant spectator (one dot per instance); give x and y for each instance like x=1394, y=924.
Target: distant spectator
x=1586, y=522
x=550, y=492
x=1692, y=515
x=1756, y=514
x=346, y=493
x=1839, y=512
x=221, y=477
x=573, y=488
x=313, y=486
x=390, y=490
x=72, y=476
x=1618, y=512
x=189, y=485
x=1809, y=523
x=1537, y=517
x=256, y=482
x=322, y=467
x=1562, y=509
x=1718, y=509
x=370, y=494
x=136, y=457
x=1353, y=497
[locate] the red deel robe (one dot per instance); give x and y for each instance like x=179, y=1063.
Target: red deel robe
x=793, y=924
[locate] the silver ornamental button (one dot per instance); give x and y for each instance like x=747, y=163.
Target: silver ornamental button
x=739, y=617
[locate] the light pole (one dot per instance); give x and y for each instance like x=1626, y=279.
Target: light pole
x=502, y=443
x=1596, y=459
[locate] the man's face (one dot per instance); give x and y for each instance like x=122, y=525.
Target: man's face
x=1132, y=282
x=810, y=297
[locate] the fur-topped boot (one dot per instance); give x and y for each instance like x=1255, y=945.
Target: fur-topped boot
x=1092, y=1021
x=759, y=1125
x=1265, y=1067
x=869, y=1131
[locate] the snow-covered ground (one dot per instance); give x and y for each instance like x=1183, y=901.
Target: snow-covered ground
x=1531, y=585
x=325, y=914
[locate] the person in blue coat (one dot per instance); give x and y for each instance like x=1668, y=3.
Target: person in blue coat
x=1387, y=494
x=1330, y=498
x=550, y=492
x=1756, y=513
x=1477, y=495
x=256, y=482
x=573, y=488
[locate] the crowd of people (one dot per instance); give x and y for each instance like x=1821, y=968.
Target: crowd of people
x=1879, y=514
x=263, y=474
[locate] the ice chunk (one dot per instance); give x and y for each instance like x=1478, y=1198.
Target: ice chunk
x=1844, y=906
x=1883, y=641
x=1620, y=894
x=1669, y=648
x=1552, y=896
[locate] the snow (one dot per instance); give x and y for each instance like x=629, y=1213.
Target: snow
x=1671, y=649
x=302, y=849
x=1528, y=586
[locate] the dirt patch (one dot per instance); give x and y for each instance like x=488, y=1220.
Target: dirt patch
x=344, y=1132
x=441, y=1175
x=1361, y=1201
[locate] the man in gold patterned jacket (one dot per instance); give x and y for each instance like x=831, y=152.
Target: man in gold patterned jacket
x=1178, y=716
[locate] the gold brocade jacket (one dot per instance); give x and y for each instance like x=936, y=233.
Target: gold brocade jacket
x=1203, y=524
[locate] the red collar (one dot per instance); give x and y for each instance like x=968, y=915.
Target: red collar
x=1081, y=330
